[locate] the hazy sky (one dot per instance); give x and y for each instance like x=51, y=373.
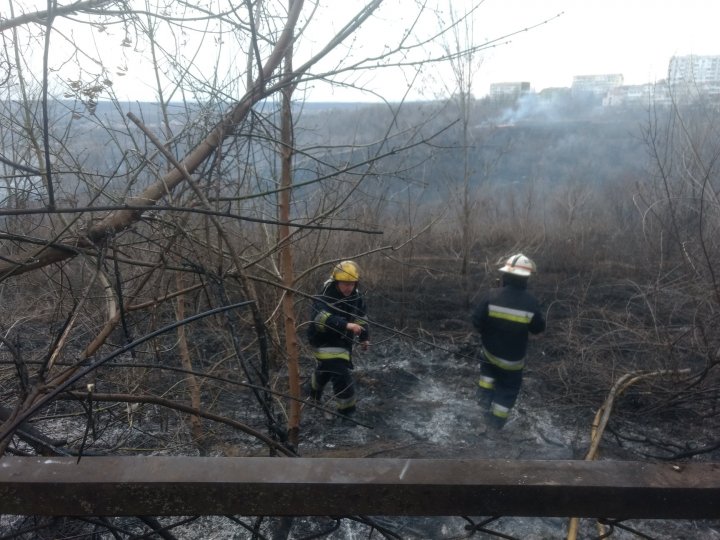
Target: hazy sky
x=635, y=38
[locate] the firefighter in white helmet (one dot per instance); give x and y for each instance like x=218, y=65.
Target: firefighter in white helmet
x=505, y=318
x=337, y=320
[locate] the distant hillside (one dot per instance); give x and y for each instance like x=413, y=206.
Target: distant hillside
x=549, y=143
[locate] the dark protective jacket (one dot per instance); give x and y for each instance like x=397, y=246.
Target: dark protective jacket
x=505, y=318
x=330, y=313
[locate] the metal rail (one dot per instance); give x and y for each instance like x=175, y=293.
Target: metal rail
x=174, y=486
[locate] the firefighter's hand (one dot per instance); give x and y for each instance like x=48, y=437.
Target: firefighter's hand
x=364, y=345
x=356, y=329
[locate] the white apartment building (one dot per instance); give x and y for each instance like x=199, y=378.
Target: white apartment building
x=598, y=85
x=658, y=94
x=509, y=89
x=694, y=69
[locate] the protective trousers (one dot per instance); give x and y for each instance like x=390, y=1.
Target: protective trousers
x=499, y=389
x=337, y=371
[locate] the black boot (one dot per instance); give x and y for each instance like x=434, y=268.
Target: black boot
x=308, y=392
x=346, y=416
x=495, y=422
x=484, y=397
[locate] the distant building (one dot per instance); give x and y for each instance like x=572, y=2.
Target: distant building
x=597, y=85
x=504, y=90
x=554, y=93
x=643, y=94
x=690, y=77
x=693, y=69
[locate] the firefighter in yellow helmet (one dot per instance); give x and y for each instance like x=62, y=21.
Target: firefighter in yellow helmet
x=505, y=318
x=337, y=319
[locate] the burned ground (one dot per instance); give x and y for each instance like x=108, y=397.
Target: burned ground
x=416, y=389
x=417, y=400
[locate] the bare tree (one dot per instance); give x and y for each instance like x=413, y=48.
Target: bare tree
x=464, y=68
x=680, y=214
x=159, y=215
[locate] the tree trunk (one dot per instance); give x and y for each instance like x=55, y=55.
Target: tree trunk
x=192, y=382
x=292, y=348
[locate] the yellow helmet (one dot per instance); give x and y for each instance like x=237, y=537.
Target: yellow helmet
x=346, y=271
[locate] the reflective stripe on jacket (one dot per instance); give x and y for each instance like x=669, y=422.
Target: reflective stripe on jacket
x=509, y=314
x=327, y=353
x=510, y=365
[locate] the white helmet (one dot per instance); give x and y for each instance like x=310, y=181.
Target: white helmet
x=519, y=265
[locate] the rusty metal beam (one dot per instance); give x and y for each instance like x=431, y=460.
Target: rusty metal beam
x=119, y=486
